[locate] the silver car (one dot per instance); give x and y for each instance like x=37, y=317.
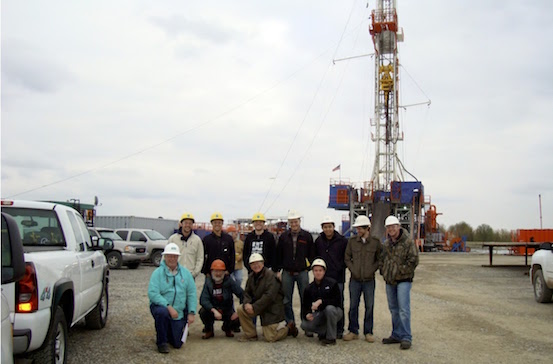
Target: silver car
x=123, y=253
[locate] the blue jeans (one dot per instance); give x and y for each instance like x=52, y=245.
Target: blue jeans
x=167, y=330
x=355, y=290
x=237, y=275
x=288, y=280
x=399, y=303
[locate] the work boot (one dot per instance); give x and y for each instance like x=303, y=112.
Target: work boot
x=208, y=335
x=245, y=338
x=229, y=333
x=405, y=345
x=292, y=329
x=369, y=338
x=163, y=348
x=308, y=334
x=350, y=336
x=326, y=342
x=390, y=340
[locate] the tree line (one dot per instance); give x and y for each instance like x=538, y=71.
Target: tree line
x=483, y=232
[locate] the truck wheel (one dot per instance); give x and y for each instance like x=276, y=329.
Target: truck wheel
x=55, y=344
x=542, y=293
x=114, y=260
x=133, y=265
x=98, y=317
x=156, y=258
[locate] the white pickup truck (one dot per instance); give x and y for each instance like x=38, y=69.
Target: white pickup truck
x=541, y=273
x=65, y=281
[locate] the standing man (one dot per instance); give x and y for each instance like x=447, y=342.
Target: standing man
x=260, y=241
x=171, y=290
x=217, y=301
x=399, y=259
x=218, y=245
x=322, y=305
x=295, y=252
x=190, y=245
x=331, y=247
x=362, y=259
x=263, y=297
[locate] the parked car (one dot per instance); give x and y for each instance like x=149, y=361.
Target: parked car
x=123, y=253
x=65, y=280
x=155, y=242
x=13, y=269
x=541, y=273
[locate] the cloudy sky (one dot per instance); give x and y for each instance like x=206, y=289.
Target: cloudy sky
x=161, y=107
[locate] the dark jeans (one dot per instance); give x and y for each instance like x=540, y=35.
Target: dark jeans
x=209, y=319
x=355, y=290
x=168, y=330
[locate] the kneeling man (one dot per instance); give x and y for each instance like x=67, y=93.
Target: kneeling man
x=322, y=305
x=263, y=297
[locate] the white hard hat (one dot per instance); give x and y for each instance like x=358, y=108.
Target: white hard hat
x=171, y=248
x=293, y=214
x=327, y=220
x=319, y=262
x=391, y=220
x=256, y=257
x=362, y=220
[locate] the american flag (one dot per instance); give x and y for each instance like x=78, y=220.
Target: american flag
x=336, y=168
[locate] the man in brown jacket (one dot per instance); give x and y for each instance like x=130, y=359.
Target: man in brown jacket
x=362, y=259
x=263, y=297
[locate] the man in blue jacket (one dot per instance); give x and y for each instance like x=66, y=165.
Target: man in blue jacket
x=171, y=290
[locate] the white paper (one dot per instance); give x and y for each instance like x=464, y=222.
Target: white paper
x=185, y=334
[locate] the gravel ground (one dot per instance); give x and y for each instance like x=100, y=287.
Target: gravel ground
x=461, y=313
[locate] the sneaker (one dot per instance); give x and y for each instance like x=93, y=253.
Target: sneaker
x=163, y=348
x=292, y=329
x=309, y=334
x=245, y=338
x=350, y=336
x=326, y=342
x=405, y=345
x=390, y=340
x=369, y=338
x=208, y=335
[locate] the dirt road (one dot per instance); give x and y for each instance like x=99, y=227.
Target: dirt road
x=461, y=313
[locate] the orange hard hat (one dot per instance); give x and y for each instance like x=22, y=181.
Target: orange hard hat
x=218, y=264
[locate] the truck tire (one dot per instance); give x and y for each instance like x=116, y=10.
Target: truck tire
x=133, y=265
x=156, y=258
x=114, y=259
x=542, y=293
x=97, y=318
x=54, y=348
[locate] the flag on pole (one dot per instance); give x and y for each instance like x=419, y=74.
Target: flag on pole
x=337, y=168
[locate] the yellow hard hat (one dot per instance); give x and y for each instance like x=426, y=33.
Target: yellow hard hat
x=216, y=216
x=258, y=216
x=187, y=216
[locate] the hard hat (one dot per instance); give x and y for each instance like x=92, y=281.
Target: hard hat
x=171, y=248
x=231, y=229
x=187, y=216
x=293, y=214
x=258, y=216
x=319, y=262
x=362, y=220
x=256, y=257
x=216, y=216
x=218, y=264
x=391, y=220
x=327, y=220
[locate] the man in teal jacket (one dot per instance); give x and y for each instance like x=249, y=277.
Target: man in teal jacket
x=171, y=290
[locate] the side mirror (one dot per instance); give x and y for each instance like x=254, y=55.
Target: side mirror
x=102, y=244
x=143, y=239
x=13, y=260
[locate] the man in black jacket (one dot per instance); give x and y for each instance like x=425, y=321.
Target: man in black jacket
x=218, y=245
x=331, y=247
x=295, y=252
x=322, y=305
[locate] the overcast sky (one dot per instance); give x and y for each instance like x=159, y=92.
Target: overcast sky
x=161, y=107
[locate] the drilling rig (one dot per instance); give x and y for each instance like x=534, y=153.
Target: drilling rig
x=387, y=192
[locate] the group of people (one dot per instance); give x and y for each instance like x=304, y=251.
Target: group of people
x=274, y=269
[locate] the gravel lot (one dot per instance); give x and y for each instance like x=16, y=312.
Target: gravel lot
x=461, y=312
